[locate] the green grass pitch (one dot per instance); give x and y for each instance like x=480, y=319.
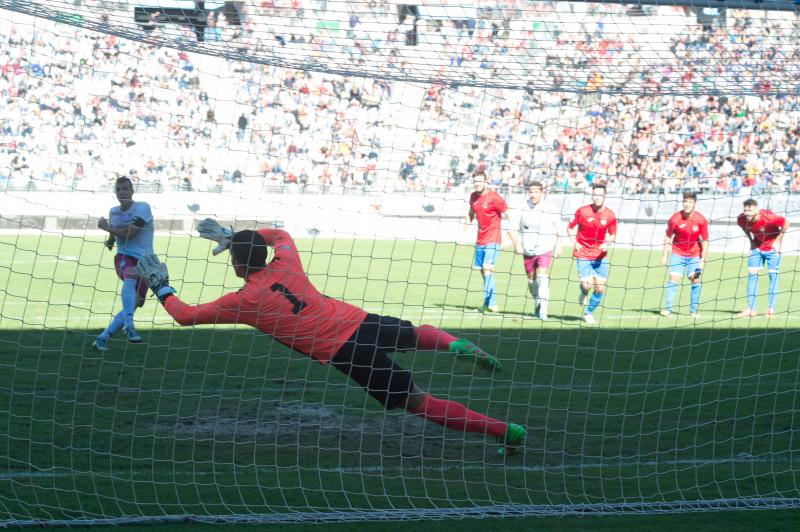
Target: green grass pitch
x=221, y=420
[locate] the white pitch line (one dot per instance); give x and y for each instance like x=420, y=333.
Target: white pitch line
x=441, y=468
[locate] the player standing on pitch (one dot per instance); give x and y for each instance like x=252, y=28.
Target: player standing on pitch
x=538, y=243
x=489, y=208
x=278, y=299
x=130, y=224
x=687, y=237
x=593, y=231
x=764, y=230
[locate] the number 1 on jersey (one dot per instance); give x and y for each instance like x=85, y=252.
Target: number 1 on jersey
x=297, y=304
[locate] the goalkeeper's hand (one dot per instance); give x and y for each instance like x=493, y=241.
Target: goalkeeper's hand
x=110, y=242
x=210, y=229
x=155, y=274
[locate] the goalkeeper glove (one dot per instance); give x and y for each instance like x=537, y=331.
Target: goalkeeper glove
x=110, y=242
x=212, y=230
x=155, y=274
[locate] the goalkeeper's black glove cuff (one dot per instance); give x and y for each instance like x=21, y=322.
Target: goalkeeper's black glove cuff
x=164, y=292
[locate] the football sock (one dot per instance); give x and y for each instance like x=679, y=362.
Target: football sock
x=488, y=290
x=544, y=292
x=695, y=298
x=594, y=301
x=773, y=289
x=533, y=287
x=128, y=300
x=116, y=324
x=671, y=289
x=752, y=290
x=430, y=338
x=456, y=416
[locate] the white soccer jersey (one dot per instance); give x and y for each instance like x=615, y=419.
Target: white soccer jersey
x=539, y=225
x=142, y=243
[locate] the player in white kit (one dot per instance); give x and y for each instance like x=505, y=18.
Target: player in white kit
x=538, y=242
x=130, y=224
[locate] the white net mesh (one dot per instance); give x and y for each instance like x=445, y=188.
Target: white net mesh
x=359, y=128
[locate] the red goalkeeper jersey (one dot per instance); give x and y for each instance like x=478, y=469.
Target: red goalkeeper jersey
x=765, y=230
x=280, y=301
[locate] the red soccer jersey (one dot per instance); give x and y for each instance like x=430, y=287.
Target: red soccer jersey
x=764, y=230
x=488, y=209
x=280, y=301
x=592, y=230
x=688, y=232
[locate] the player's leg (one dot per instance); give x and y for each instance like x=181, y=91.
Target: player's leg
x=543, y=264
x=587, y=279
x=773, y=267
x=430, y=338
x=693, y=268
x=754, y=263
x=600, y=273
x=489, y=284
x=529, y=261
x=130, y=293
x=118, y=321
x=677, y=268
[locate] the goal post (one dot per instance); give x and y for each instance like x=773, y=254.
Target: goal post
x=359, y=128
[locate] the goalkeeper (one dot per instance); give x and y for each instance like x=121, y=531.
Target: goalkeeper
x=279, y=300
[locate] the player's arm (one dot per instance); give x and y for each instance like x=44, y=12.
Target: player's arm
x=703, y=244
x=779, y=239
x=555, y=226
x=282, y=243
x=217, y=311
x=669, y=236
x=611, y=236
x=505, y=223
x=572, y=234
x=155, y=274
x=748, y=235
x=124, y=231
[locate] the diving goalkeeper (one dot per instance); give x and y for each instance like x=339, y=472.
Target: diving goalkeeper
x=278, y=299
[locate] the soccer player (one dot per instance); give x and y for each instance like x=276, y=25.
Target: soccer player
x=538, y=243
x=687, y=237
x=278, y=299
x=764, y=230
x=593, y=231
x=490, y=209
x=130, y=224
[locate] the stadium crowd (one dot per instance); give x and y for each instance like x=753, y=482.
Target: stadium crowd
x=81, y=107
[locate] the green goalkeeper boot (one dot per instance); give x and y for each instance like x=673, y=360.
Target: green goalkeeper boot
x=466, y=349
x=515, y=436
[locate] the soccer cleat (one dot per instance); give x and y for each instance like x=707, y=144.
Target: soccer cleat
x=466, y=349
x=694, y=316
x=589, y=319
x=132, y=336
x=747, y=313
x=515, y=436
x=666, y=313
x=582, y=298
x=770, y=313
x=488, y=308
x=100, y=343
x=543, y=317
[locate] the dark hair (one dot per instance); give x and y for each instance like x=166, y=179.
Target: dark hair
x=690, y=195
x=249, y=248
x=123, y=179
x=537, y=184
x=594, y=187
x=750, y=203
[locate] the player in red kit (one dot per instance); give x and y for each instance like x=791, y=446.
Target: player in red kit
x=279, y=300
x=489, y=208
x=687, y=238
x=764, y=230
x=593, y=230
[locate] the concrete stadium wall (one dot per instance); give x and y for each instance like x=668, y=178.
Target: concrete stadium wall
x=405, y=216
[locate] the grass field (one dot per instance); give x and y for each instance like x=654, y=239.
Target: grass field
x=638, y=411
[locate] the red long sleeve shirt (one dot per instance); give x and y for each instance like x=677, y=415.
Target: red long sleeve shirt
x=281, y=302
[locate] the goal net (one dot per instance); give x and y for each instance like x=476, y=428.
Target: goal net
x=359, y=127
